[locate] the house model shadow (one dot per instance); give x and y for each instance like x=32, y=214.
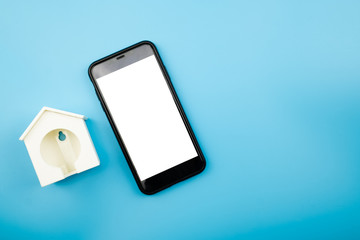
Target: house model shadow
x=59, y=145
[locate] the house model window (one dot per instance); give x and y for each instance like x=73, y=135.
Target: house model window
x=59, y=145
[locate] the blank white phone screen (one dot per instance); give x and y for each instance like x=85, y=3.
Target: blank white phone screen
x=147, y=118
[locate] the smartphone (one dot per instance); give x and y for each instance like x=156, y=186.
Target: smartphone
x=146, y=116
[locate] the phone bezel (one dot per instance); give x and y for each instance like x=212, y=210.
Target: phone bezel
x=170, y=176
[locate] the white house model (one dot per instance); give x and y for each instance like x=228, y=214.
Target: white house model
x=59, y=145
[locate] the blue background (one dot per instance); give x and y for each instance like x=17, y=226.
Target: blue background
x=271, y=89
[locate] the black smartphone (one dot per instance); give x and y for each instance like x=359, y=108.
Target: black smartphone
x=146, y=116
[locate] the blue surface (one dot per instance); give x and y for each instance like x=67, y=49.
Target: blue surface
x=271, y=90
